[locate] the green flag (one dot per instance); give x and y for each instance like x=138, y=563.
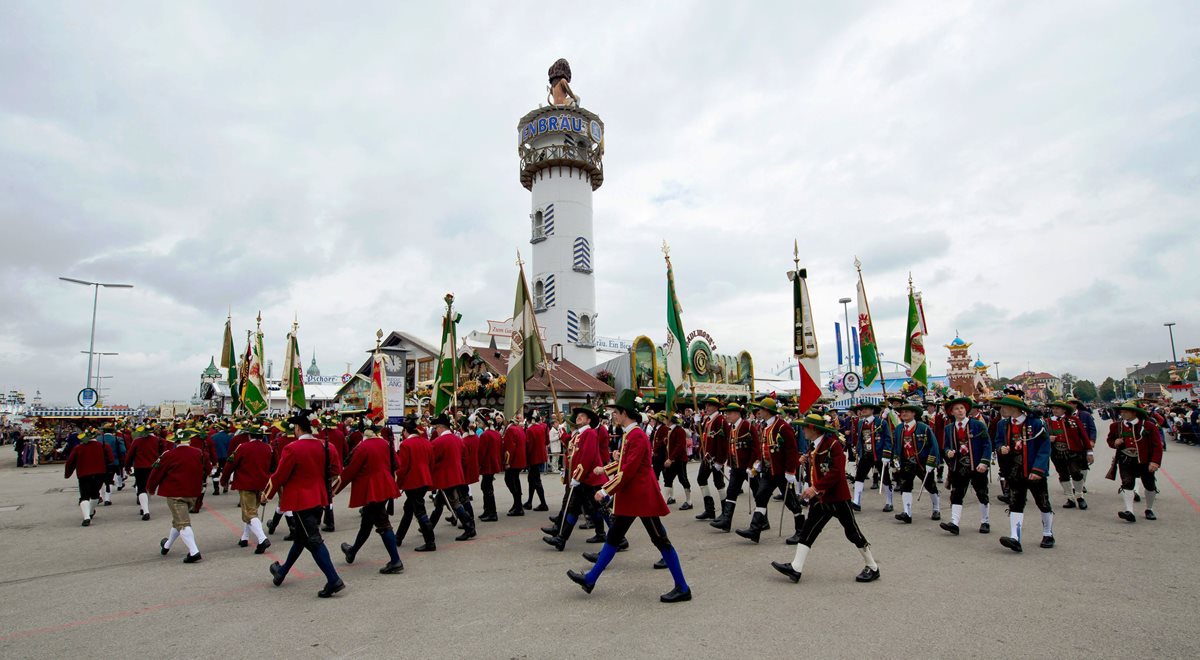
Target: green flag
x=675, y=352
x=866, y=333
x=254, y=390
x=525, y=351
x=292, y=377
x=230, y=365
x=914, y=347
x=445, y=385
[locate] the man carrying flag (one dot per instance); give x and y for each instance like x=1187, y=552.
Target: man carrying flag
x=229, y=363
x=254, y=389
x=524, y=358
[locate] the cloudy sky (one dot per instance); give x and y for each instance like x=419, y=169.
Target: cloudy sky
x=1035, y=166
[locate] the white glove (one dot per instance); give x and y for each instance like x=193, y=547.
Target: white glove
x=895, y=464
x=574, y=483
x=928, y=469
x=791, y=478
x=758, y=467
x=603, y=493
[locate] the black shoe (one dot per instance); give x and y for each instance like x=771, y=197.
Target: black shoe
x=467, y=535
x=751, y=533
x=162, y=545
x=191, y=559
x=1150, y=515
x=527, y=506
x=225, y=489
x=778, y=497
x=985, y=528
x=904, y=518
x=887, y=508
x=676, y=596
x=271, y=525
x=1047, y=541
x=793, y=539
x=243, y=543
x=289, y=537
x=88, y=523
x=937, y=515
x=867, y=575
x=452, y=521
x=108, y=503
x=687, y=506
x=581, y=580
x=598, y=538
x=515, y=512
x=330, y=589
x=1003, y=498
x=1010, y=543
x=591, y=556
x=556, y=519
x=541, y=507
x=1136, y=498
x=660, y=564
x=856, y=507
x=489, y=517
x=145, y=516
x=262, y=547
x=1085, y=490
x=1070, y=504
x=349, y=552
x=670, y=500
x=950, y=527
x=623, y=545
x=786, y=569
x=1127, y=516
x=277, y=574
x=550, y=530
x=557, y=542
x=875, y=484
x=391, y=569
x=216, y=491
x=328, y=528
x=1082, y=504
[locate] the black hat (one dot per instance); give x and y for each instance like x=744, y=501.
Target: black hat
x=441, y=420
x=627, y=402
x=592, y=414
x=867, y=404
x=301, y=416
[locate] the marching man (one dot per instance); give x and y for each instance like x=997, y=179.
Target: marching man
x=89, y=461
x=776, y=470
x=634, y=492
x=1070, y=452
x=968, y=451
x=1024, y=441
x=873, y=446
x=742, y=452
x=583, y=457
x=714, y=451
x=829, y=497
x=916, y=456
x=251, y=466
x=1139, y=454
x=371, y=473
x=140, y=459
x=178, y=476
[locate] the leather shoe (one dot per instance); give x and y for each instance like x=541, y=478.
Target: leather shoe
x=555, y=541
x=660, y=564
x=1127, y=516
x=786, y=569
x=391, y=569
x=262, y=547
x=591, y=556
x=985, y=528
x=145, y=516
x=541, y=507
x=327, y=528
x=466, y=535
x=277, y=573
x=1010, y=543
x=950, y=527
x=1082, y=504
x=1150, y=515
x=904, y=518
x=867, y=575
x=192, y=559
x=552, y=531
x=162, y=545
x=243, y=543
x=1069, y=504
x=856, y=507
x=349, y=552
x=489, y=517
x=887, y=508
x=426, y=547
x=330, y=589
x=1047, y=541
x=515, y=512
x=937, y=515
x=581, y=580
x=597, y=538
x=676, y=595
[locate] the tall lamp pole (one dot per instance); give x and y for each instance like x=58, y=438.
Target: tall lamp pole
x=997, y=365
x=95, y=300
x=1171, y=330
x=849, y=346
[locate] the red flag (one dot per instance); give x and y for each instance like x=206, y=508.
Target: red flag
x=377, y=398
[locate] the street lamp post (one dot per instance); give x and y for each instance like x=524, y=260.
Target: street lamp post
x=997, y=365
x=95, y=301
x=97, y=377
x=849, y=346
x=1171, y=330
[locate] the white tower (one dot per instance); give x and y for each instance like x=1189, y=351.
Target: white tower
x=561, y=146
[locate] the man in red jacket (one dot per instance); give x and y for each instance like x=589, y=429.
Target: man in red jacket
x=514, y=461
x=583, y=457
x=251, y=465
x=536, y=437
x=635, y=494
x=490, y=465
x=279, y=440
x=448, y=477
x=89, y=461
x=1139, y=452
x=302, y=479
x=413, y=476
x=714, y=451
x=372, y=473
x=178, y=477
x=143, y=453
x=675, y=466
x=828, y=495
x=776, y=469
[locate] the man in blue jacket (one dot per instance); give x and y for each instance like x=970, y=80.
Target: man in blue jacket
x=1023, y=439
x=220, y=442
x=916, y=452
x=968, y=452
x=117, y=445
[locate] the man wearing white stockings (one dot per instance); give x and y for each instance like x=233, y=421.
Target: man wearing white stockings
x=1025, y=441
x=179, y=478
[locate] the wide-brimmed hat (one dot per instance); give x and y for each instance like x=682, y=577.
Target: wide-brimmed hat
x=441, y=420
x=817, y=422
x=712, y=401
x=734, y=406
x=1077, y=402
x=964, y=400
x=1065, y=405
x=915, y=408
x=662, y=416
x=768, y=404
x=1015, y=402
x=626, y=401
x=592, y=414
x=867, y=404
x=1134, y=408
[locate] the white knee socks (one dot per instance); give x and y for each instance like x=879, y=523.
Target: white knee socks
x=865, y=551
x=245, y=531
x=955, y=513
x=171, y=538
x=907, y=499
x=858, y=490
x=1077, y=486
x=936, y=500
x=801, y=555
x=1066, y=486
x=888, y=495
x=189, y=539
x=1150, y=495
x=983, y=513
x=105, y=494
x=85, y=507
x=144, y=502
x=1048, y=524
x=256, y=527
x=1127, y=495
x=1015, y=522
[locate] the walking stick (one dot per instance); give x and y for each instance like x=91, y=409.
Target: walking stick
x=575, y=475
x=923, y=481
x=782, y=508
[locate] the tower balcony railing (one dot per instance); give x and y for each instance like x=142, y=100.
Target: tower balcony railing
x=582, y=269
x=535, y=159
x=586, y=341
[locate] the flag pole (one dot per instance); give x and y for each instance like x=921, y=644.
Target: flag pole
x=546, y=357
x=867, y=304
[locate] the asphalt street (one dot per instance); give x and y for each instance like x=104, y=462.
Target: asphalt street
x=1109, y=588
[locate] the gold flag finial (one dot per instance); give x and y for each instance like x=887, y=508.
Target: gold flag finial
x=857, y=264
x=666, y=249
x=520, y=262
x=259, y=319
x=378, y=337
x=796, y=253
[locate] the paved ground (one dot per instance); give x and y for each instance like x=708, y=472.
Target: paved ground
x=1109, y=589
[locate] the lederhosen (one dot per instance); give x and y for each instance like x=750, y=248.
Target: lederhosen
x=1129, y=460
x=1020, y=485
x=770, y=442
x=707, y=467
x=1068, y=464
x=962, y=467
